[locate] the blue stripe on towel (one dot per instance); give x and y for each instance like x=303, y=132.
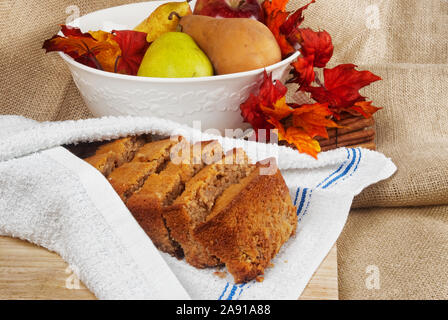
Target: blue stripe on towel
x=224, y=291
x=232, y=292
x=308, y=203
x=347, y=169
x=337, y=170
x=302, y=200
x=359, y=160
x=297, y=194
x=356, y=166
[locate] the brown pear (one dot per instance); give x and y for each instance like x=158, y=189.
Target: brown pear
x=233, y=44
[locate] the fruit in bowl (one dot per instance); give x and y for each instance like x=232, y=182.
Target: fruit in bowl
x=158, y=22
x=234, y=44
x=229, y=34
x=230, y=9
x=175, y=55
x=212, y=100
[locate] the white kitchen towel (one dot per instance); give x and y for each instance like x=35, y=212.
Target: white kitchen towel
x=50, y=197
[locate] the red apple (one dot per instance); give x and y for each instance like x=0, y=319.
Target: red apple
x=230, y=9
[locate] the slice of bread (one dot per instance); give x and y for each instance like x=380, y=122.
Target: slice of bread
x=130, y=177
x=248, y=224
x=110, y=155
x=193, y=205
x=104, y=162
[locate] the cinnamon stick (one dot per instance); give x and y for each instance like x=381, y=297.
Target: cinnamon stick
x=368, y=145
x=349, y=144
x=360, y=135
x=355, y=126
x=348, y=120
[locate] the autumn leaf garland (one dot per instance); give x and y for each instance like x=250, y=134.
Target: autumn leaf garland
x=338, y=93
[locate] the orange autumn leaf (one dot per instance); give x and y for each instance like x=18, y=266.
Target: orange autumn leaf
x=365, y=108
x=82, y=47
x=275, y=16
x=302, y=141
x=297, y=137
x=313, y=118
x=267, y=110
x=278, y=110
x=108, y=55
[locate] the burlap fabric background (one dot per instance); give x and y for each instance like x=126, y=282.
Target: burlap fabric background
x=400, y=226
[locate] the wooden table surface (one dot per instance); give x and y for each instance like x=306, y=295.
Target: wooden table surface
x=31, y=272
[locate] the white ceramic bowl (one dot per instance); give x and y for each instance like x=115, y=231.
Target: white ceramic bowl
x=215, y=101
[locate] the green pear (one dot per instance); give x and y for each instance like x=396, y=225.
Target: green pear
x=175, y=55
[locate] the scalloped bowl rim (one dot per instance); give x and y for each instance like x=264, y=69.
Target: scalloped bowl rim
x=236, y=75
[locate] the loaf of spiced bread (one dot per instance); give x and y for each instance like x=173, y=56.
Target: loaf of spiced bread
x=193, y=201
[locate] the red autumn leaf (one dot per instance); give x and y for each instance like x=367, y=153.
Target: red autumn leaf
x=316, y=49
x=283, y=25
x=313, y=118
x=119, y=51
x=303, y=71
x=364, y=108
x=294, y=20
x=252, y=113
x=270, y=102
x=270, y=92
x=317, y=44
x=133, y=47
x=341, y=87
